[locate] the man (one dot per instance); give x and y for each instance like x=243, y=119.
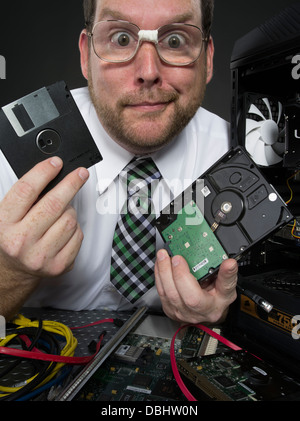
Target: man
x=145, y=102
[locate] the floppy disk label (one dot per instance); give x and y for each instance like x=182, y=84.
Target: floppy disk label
x=31, y=112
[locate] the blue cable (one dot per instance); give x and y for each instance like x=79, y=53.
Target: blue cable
x=46, y=386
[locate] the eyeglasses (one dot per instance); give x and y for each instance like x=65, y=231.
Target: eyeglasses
x=117, y=41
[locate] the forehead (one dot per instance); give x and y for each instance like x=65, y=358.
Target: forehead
x=150, y=14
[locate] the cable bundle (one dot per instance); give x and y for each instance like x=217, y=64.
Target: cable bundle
x=48, y=345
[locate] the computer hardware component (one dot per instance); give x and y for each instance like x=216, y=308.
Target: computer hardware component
x=238, y=376
x=265, y=130
x=209, y=369
x=278, y=329
x=233, y=209
x=42, y=124
x=265, y=74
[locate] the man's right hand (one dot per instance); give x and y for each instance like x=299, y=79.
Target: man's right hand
x=39, y=235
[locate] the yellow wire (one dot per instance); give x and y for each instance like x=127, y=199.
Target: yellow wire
x=50, y=326
x=289, y=201
x=293, y=230
x=288, y=184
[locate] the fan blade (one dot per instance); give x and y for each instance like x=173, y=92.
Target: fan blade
x=266, y=101
x=252, y=125
x=280, y=109
x=265, y=155
x=262, y=137
x=269, y=132
x=271, y=156
x=254, y=110
x=251, y=140
x=259, y=156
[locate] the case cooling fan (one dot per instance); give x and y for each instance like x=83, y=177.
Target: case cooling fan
x=265, y=130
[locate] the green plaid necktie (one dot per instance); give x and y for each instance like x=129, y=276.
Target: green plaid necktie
x=134, y=249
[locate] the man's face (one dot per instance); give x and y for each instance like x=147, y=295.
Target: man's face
x=144, y=103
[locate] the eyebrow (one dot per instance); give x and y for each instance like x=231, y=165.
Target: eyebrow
x=106, y=12
x=114, y=14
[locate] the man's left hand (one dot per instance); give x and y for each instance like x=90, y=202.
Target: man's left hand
x=185, y=300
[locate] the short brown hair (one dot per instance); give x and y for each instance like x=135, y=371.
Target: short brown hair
x=207, y=8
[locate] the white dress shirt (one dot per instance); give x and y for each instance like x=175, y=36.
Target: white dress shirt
x=87, y=286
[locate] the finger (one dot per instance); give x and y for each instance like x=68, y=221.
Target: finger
x=163, y=272
x=51, y=206
x=25, y=191
x=200, y=304
x=65, y=259
x=59, y=234
x=227, y=278
x=187, y=285
x=170, y=299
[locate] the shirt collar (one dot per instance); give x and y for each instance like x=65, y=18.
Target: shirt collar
x=169, y=161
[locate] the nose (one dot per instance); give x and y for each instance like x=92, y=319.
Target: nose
x=147, y=65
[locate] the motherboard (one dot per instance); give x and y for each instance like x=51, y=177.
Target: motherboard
x=140, y=370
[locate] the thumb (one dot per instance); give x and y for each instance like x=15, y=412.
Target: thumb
x=227, y=277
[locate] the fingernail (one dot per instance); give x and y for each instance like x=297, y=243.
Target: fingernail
x=83, y=174
x=175, y=261
x=56, y=162
x=161, y=255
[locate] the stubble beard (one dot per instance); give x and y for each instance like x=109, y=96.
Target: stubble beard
x=135, y=137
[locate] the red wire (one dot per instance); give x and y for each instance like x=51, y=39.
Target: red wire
x=177, y=376
x=36, y=354
x=219, y=338
x=93, y=324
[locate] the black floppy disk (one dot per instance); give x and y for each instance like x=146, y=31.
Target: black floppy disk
x=224, y=213
x=42, y=124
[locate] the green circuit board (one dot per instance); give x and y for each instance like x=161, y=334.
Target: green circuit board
x=190, y=236
x=140, y=369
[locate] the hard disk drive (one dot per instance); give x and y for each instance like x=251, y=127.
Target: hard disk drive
x=224, y=213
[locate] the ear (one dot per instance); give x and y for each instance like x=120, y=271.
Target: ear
x=210, y=51
x=84, y=52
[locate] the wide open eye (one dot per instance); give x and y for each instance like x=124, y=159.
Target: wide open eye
x=174, y=41
x=122, y=39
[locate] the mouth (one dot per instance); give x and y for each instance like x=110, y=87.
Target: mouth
x=149, y=106
x=150, y=103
